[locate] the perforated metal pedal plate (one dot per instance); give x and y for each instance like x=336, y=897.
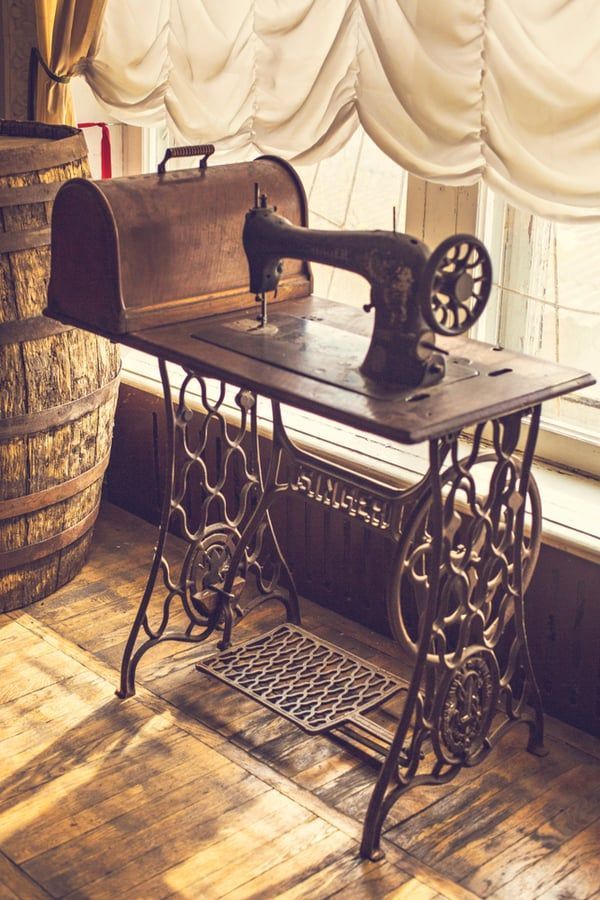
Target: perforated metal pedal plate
x=306, y=679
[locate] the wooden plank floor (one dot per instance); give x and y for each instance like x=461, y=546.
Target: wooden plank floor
x=192, y=790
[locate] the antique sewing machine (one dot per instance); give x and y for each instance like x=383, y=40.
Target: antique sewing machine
x=414, y=294
x=173, y=264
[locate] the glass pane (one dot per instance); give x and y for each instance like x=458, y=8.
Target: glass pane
x=546, y=302
x=357, y=188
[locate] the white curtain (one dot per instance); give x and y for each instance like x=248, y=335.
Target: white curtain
x=453, y=90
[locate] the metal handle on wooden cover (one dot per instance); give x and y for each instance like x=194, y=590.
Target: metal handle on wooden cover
x=203, y=150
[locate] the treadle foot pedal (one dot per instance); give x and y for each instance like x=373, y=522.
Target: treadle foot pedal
x=302, y=677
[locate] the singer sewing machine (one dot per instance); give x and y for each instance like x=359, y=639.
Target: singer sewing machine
x=175, y=265
x=414, y=294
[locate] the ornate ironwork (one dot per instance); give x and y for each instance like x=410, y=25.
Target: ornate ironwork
x=463, y=556
x=355, y=501
x=467, y=703
x=456, y=606
x=213, y=484
x=304, y=678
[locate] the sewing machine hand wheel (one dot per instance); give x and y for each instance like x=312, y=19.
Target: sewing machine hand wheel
x=456, y=284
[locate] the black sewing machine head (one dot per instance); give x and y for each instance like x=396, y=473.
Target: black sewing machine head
x=415, y=294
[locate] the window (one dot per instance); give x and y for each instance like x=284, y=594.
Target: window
x=358, y=188
x=546, y=302
x=546, y=295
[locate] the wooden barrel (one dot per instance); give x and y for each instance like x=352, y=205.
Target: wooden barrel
x=58, y=384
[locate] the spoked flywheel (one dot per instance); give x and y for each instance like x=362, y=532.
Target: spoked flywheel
x=456, y=284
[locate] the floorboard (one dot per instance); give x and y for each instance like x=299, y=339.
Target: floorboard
x=193, y=790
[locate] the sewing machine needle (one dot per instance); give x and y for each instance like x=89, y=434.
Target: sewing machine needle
x=262, y=316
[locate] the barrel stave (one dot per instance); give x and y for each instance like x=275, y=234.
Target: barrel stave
x=57, y=389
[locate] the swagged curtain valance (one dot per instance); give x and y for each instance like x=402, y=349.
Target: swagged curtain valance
x=503, y=90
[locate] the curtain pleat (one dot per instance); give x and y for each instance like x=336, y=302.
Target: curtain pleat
x=507, y=91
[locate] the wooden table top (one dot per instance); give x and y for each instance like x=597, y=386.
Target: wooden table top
x=482, y=382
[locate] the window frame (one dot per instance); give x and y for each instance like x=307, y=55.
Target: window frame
x=432, y=212
x=561, y=445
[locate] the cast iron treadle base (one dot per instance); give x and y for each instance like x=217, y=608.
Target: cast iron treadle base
x=306, y=679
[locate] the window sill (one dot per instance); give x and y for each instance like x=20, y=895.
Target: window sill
x=569, y=501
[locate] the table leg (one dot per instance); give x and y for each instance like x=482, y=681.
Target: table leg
x=213, y=485
x=460, y=572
